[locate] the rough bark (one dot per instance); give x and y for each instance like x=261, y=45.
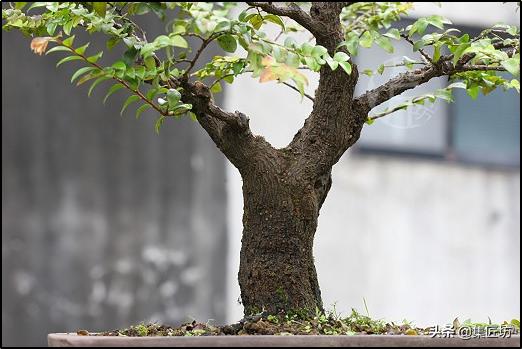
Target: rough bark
x=284, y=189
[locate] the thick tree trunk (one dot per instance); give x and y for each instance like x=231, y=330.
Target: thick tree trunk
x=277, y=271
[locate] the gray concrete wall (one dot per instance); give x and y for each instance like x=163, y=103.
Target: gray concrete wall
x=104, y=223
x=418, y=239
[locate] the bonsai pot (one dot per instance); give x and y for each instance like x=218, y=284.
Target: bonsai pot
x=74, y=340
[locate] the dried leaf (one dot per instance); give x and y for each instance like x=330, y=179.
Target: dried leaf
x=39, y=44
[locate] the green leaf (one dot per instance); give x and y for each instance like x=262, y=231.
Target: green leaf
x=293, y=60
x=473, y=92
x=512, y=65
x=418, y=45
x=445, y=94
x=113, y=41
x=69, y=41
x=182, y=108
x=81, y=71
x=140, y=72
x=380, y=70
x=318, y=52
x=515, y=84
x=333, y=64
x=341, y=57
x=366, y=40
x=256, y=21
x=51, y=27
x=275, y=19
x=369, y=121
x=228, y=43
x=81, y=50
x=178, y=41
x=159, y=122
x=142, y=109
x=384, y=43
x=352, y=43
x=57, y=49
x=113, y=89
x=216, y=88
x=119, y=65
x=393, y=33
x=173, y=97
x=437, y=21
x=347, y=67
x=95, y=58
x=68, y=59
x=418, y=26
x=100, y=8
x=436, y=51
x=96, y=83
x=129, y=100
x=67, y=27
x=460, y=51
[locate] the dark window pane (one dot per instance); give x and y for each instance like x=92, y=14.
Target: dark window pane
x=487, y=130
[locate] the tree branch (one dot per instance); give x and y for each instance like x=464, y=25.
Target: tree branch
x=292, y=11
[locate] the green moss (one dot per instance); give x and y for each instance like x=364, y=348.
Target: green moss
x=298, y=322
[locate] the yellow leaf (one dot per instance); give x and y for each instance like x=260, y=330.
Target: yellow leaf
x=267, y=60
x=39, y=44
x=267, y=74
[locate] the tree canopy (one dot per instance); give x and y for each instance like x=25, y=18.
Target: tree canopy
x=160, y=72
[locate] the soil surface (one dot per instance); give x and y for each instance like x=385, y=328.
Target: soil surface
x=264, y=324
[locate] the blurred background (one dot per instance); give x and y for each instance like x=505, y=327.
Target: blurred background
x=105, y=224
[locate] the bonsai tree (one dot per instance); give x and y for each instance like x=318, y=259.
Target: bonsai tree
x=283, y=189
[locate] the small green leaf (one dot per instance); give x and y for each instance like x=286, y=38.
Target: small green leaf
x=81, y=50
x=96, y=83
x=380, y=70
x=275, y=19
x=142, y=109
x=68, y=59
x=173, y=97
x=95, y=58
x=347, y=67
x=369, y=121
x=333, y=64
x=460, y=51
x=512, y=65
x=384, y=43
x=81, y=71
x=436, y=51
x=445, y=94
x=69, y=41
x=352, y=43
x=129, y=100
x=100, y=8
x=113, y=89
x=178, y=41
x=473, y=92
x=159, y=122
x=341, y=57
x=393, y=33
x=113, y=41
x=515, y=84
x=57, y=49
x=228, y=43
x=366, y=40
x=67, y=27
x=216, y=88
x=119, y=65
x=140, y=72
